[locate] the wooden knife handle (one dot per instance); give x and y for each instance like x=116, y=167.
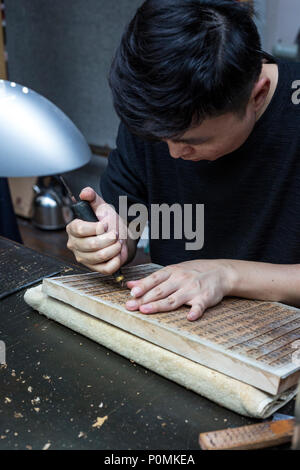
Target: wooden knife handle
x=254, y=436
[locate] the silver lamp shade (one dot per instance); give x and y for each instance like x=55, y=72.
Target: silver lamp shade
x=36, y=137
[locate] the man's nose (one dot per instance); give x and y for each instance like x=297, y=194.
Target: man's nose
x=178, y=150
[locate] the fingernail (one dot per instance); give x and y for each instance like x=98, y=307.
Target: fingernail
x=192, y=316
x=131, y=304
x=105, y=226
x=135, y=291
x=146, y=308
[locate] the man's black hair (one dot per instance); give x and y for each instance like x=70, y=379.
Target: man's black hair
x=181, y=61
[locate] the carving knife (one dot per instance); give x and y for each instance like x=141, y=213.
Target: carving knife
x=82, y=210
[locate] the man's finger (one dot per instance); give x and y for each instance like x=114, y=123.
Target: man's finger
x=173, y=301
x=161, y=291
x=100, y=256
x=196, y=312
x=107, y=268
x=81, y=228
x=141, y=286
x=92, y=244
x=88, y=194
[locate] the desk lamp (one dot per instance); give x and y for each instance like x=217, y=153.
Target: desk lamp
x=37, y=139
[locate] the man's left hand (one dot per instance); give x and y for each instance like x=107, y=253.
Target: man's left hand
x=199, y=284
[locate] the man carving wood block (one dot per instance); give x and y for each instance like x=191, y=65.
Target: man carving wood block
x=206, y=118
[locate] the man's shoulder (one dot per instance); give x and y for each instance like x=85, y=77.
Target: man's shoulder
x=287, y=94
x=293, y=66
x=288, y=71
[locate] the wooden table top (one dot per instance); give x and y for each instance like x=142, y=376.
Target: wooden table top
x=57, y=383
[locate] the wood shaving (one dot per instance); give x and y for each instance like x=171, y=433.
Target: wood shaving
x=98, y=423
x=7, y=400
x=35, y=401
x=18, y=415
x=46, y=446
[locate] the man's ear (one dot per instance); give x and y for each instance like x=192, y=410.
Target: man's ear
x=260, y=93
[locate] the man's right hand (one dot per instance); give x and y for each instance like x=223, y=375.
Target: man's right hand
x=101, y=246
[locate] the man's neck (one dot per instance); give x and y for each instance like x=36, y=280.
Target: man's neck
x=270, y=71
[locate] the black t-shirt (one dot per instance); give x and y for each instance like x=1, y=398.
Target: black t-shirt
x=251, y=196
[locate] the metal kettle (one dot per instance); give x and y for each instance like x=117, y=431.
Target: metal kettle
x=51, y=206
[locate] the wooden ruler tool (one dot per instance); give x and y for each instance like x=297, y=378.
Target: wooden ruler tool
x=254, y=436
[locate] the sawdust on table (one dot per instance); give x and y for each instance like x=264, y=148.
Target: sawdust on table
x=99, y=422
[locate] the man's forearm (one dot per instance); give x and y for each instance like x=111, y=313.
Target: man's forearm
x=265, y=281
